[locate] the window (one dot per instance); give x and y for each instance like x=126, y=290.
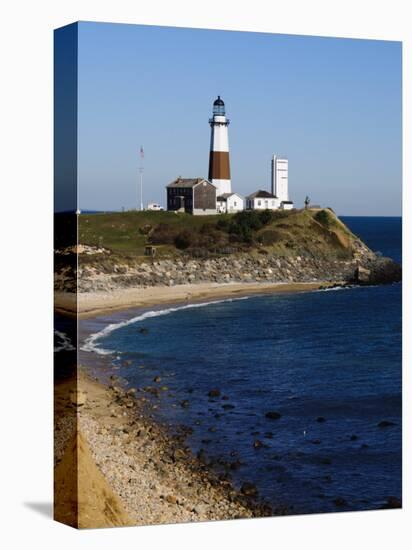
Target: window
x=259, y=203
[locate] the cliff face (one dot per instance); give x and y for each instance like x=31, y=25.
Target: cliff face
x=299, y=246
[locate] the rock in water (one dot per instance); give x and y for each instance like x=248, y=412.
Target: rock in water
x=214, y=393
x=340, y=501
x=384, y=271
x=273, y=415
x=249, y=489
x=392, y=502
x=385, y=424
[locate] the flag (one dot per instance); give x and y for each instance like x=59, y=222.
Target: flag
x=141, y=152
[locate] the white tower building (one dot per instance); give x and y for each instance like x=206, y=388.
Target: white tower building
x=280, y=169
x=219, y=165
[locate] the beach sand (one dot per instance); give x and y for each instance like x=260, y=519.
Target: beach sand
x=91, y=304
x=130, y=471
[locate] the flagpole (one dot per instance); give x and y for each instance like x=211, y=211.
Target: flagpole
x=141, y=188
x=141, y=176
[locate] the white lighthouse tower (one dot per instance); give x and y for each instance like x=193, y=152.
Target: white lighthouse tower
x=219, y=166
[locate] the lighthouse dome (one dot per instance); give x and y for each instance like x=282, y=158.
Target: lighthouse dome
x=219, y=106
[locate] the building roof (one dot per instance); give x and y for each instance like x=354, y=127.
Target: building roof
x=187, y=182
x=261, y=194
x=219, y=101
x=225, y=196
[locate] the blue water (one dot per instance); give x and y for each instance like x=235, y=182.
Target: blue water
x=332, y=354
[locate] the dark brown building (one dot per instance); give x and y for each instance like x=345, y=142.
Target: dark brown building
x=193, y=195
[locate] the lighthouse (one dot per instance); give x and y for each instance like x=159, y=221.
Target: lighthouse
x=219, y=166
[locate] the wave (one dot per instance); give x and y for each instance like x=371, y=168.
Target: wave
x=65, y=342
x=333, y=288
x=90, y=344
x=346, y=287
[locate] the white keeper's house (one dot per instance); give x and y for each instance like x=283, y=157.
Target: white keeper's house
x=230, y=203
x=262, y=200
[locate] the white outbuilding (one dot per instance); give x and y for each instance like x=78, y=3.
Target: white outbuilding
x=262, y=200
x=230, y=203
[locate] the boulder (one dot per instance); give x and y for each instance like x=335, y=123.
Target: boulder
x=386, y=424
x=392, y=502
x=249, y=489
x=179, y=454
x=385, y=271
x=362, y=275
x=273, y=415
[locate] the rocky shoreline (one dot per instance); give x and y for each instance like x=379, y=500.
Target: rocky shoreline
x=109, y=274
x=151, y=471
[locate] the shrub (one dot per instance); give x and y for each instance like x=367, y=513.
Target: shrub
x=249, y=219
x=266, y=216
x=268, y=237
x=323, y=217
x=164, y=234
x=208, y=229
x=183, y=240
x=145, y=229
x=223, y=223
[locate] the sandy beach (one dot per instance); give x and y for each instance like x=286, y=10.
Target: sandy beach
x=130, y=470
x=91, y=304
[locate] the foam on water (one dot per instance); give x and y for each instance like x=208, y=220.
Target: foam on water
x=65, y=343
x=90, y=344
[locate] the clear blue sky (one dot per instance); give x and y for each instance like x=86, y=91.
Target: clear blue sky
x=332, y=106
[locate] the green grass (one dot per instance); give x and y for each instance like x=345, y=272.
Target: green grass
x=317, y=233
x=122, y=233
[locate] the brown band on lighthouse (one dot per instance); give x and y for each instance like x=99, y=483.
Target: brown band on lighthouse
x=219, y=167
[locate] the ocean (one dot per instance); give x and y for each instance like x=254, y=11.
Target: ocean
x=328, y=362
